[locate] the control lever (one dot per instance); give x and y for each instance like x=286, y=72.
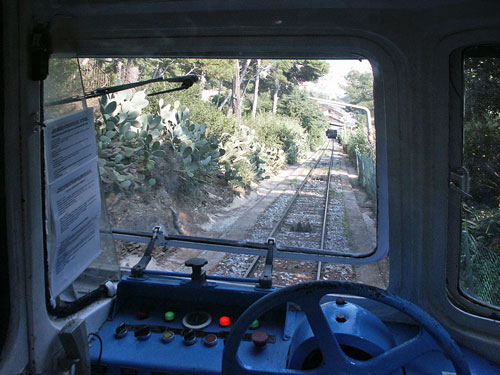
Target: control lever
x=197, y=274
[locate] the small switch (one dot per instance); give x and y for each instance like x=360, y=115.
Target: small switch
x=189, y=337
x=143, y=333
x=121, y=331
x=259, y=339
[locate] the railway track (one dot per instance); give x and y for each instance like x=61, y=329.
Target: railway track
x=304, y=222
x=302, y=217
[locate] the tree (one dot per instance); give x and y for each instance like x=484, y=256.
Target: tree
x=359, y=88
x=286, y=74
x=306, y=71
x=256, y=87
x=482, y=128
x=310, y=114
x=482, y=82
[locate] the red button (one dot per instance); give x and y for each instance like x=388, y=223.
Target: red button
x=225, y=321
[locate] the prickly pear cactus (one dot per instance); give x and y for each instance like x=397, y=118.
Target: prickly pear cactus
x=189, y=140
x=129, y=143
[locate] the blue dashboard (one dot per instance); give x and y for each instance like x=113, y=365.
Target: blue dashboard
x=171, y=325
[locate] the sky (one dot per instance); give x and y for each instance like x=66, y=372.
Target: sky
x=331, y=83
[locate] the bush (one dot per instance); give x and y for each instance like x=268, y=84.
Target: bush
x=246, y=160
x=310, y=115
x=357, y=140
x=281, y=131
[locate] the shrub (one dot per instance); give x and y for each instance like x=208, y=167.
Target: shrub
x=310, y=115
x=245, y=159
x=281, y=131
x=357, y=140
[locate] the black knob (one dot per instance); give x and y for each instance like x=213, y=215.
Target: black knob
x=196, y=265
x=340, y=301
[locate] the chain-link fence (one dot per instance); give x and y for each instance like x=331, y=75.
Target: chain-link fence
x=480, y=271
x=367, y=176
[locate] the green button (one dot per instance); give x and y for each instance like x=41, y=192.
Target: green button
x=169, y=316
x=255, y=324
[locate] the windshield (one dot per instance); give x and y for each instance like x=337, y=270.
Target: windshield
x=254, y=149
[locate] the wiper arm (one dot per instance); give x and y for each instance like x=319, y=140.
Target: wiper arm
x=186, y=82
x=138, y=269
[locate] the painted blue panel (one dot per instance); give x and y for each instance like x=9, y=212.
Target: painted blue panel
x=154, y=296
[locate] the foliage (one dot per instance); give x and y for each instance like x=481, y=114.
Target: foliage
x=283, y=132
x=310, y=114
x=480, y=258
x=482, y=157
x=188, y=139
x=138, y=145
x=306, y=71
x=482, y=80
x=357, y=140
x=482, y=128
x=131, y=145
x=483, y=227
x=247, y=158
x=359, y=88
x=202, y=112
x=128, y=141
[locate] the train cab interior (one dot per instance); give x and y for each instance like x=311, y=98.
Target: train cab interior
x=80, y=154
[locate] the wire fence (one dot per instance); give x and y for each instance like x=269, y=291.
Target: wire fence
x=479, y=271
x=367, y=176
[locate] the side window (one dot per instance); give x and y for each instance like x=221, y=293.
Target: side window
x=479, y=276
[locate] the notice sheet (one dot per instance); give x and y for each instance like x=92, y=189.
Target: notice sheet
x=74, y=197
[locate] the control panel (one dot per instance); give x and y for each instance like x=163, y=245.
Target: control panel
x=170, y=325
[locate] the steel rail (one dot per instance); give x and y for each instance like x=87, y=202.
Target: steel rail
x=325, y=212
x=288, y=208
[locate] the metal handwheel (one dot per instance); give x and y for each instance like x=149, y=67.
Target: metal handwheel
x=432, y=335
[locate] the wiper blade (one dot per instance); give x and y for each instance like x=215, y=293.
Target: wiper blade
x=186, y=82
